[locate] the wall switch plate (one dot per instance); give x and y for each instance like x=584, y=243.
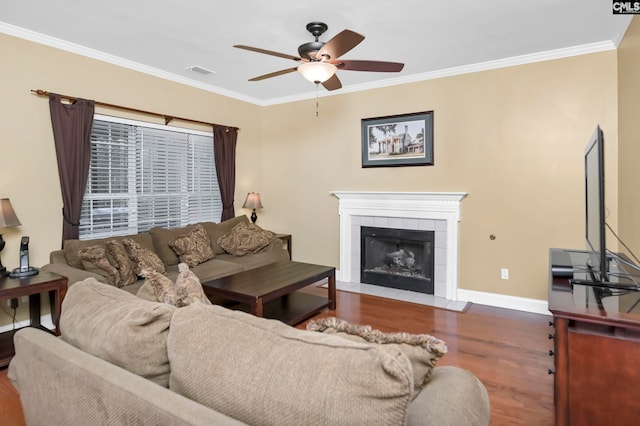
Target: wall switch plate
x=504, y=273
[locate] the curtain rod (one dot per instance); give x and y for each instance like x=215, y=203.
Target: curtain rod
x=167, y=118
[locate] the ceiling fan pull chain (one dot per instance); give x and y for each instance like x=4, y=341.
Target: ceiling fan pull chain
x=317, y=88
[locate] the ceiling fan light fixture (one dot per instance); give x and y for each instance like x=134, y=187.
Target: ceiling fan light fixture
x=316, y=71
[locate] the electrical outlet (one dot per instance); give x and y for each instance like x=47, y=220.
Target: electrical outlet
x=14, y=302
x=504, y=273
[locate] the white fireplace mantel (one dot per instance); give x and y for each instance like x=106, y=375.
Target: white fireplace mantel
x=406, y=205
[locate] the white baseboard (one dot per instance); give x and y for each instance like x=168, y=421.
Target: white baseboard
x=45, y=321
x=503, y=301
x=534, y=306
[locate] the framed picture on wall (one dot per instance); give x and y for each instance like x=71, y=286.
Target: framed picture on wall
x=398, y=140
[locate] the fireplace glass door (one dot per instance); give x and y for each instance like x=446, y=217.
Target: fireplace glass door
x=397, y=258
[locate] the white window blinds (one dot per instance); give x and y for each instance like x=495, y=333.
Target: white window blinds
x=143, y=175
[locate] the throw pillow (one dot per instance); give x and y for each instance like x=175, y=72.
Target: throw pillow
x=246, y=238
x=96, y=256
x=161, y=237
x=188, y=288
x=118, y=256
x=422, y=350
x=163, y=288
x=118, y=327
x=217, y=230
x=143, y=257
x=71, y=248
x=193, y=248
x=262, y=371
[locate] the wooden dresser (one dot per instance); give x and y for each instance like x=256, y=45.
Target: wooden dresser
x=596, y=346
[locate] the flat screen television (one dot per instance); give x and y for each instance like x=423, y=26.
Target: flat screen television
x=595, y=209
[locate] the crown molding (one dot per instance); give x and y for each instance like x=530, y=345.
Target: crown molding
x=57, y=43
x=46, y=40
x=450, y=72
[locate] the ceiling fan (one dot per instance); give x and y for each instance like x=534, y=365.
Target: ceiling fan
x=320, y=60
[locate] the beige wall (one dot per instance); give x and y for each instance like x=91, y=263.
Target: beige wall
x=512, y=138
x=629, y=135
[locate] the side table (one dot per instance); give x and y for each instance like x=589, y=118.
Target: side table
x=32, y=286
x=286, y=238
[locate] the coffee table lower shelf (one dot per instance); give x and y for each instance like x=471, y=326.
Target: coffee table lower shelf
x=291, y=309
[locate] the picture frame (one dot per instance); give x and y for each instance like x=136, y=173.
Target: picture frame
x=398, y=140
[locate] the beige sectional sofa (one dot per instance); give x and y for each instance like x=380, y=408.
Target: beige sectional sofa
x=122, y=360
x=67, y=261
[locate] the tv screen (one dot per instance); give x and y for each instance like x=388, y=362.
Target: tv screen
x=595, y=209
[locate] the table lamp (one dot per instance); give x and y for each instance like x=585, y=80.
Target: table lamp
x=8, y=219
x=253, y=202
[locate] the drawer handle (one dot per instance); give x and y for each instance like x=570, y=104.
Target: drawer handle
x=551, y=353
x=550, y=371
x=550, y=336
x=551, y=323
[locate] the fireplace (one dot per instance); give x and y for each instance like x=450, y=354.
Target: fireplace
x=397, y=258
x=424, y=211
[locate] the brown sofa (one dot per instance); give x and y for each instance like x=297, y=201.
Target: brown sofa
x=122, y=360
x=67, y=261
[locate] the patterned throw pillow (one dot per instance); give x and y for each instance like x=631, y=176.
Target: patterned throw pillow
x=118, y=256
x=163, y=288
x=193, y=248
x=217, y=230
x=246, y=238
x=143, y=257
x=188, y=288
x=422, y=350
x=97, y=256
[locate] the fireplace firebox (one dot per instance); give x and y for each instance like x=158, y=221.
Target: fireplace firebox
x=397, y=258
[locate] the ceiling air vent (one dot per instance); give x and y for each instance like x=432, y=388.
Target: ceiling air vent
x=200, y=70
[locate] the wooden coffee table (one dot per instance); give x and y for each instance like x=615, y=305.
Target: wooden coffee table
x=271, y=291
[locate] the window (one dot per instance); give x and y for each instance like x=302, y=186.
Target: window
x=144, y=175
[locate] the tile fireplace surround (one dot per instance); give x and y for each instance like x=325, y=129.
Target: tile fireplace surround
x=428, y=211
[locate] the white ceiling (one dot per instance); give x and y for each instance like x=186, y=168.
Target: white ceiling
x=432, y=38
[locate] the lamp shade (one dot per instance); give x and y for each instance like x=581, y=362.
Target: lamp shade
x=252, y=201
x=317, y=72
x=7, y=215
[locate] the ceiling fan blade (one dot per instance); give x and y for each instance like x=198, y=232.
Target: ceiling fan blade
x=333, y=83
x=340, y=44
x=273, y=74
x=267, y=52
x=375, y=66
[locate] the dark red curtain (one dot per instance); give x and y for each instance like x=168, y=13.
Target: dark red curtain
x=72, y=135
x=224, y=149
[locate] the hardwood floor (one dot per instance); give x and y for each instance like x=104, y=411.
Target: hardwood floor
x=10, y=409
x=507, y=350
